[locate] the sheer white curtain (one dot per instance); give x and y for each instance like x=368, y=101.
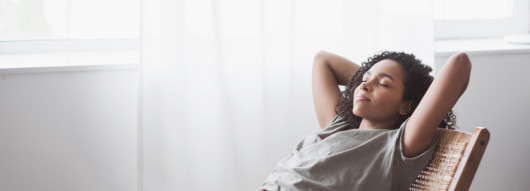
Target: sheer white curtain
x=226, y=84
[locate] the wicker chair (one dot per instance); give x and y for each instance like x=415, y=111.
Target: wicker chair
x=454, y=162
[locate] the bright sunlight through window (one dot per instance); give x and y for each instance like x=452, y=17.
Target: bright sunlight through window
x=473, y=9
x=68, y=19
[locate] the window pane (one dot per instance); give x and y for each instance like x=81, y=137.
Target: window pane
x=100, y=19
x=24, y=19
x=68, y=19
x=473, y=9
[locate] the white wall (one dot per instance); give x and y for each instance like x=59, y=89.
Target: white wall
x=68, y=130
x=498, y=98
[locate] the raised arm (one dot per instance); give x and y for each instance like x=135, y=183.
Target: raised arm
x=329, y=71
x=439, y=99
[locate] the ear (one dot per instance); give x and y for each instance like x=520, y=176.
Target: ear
x=405, y=108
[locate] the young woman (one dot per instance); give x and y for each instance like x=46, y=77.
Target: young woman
x=380, y=132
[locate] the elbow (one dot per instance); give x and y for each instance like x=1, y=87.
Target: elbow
x=463, y=65
x=463, y=62
x=320, y=60
x=321, y=57
x=459, y=65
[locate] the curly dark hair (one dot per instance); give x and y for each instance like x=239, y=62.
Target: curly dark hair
x=417, y=81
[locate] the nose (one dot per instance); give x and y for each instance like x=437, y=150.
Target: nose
x=364, y=86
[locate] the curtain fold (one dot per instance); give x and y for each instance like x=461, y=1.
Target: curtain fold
x=226, y=84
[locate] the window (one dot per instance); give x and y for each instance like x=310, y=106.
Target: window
x=480, y=18
x=52, y=25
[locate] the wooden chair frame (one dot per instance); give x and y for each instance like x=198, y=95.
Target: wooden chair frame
x=454, y=162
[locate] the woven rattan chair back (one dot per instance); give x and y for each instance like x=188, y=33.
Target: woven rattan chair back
x=454, y=162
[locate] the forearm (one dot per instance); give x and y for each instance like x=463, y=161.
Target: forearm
x=329, y=71
x=341, y=68
x=326, y=92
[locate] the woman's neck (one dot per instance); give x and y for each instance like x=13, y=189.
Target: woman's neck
x=378, y=124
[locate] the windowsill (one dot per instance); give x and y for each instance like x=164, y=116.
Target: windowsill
x=479, y=47
x=68, y=61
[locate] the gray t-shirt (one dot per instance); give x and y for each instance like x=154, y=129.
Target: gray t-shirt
x=354, y=159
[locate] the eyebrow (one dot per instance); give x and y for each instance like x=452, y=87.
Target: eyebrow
x=381, y=74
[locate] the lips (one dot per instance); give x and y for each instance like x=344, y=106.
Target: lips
x=361, y=97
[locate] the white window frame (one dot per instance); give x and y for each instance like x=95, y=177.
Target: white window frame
x=53, y=46
x=68, y=55
x=482, y=28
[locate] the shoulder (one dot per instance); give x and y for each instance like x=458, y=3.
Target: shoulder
x=338, y=123
x=419, y=160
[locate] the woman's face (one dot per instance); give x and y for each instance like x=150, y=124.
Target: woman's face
x=379, y=96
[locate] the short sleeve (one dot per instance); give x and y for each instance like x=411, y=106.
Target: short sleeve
x=416, y=162
x=337, y=123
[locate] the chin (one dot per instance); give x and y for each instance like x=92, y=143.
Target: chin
x=357, y=113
